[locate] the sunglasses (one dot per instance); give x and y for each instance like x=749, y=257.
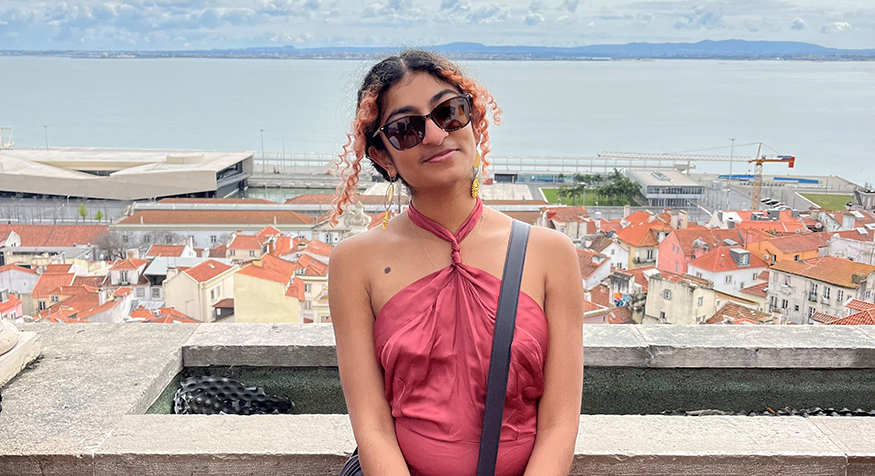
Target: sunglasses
x=408, y=131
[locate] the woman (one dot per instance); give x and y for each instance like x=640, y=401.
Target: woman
x=413, y=304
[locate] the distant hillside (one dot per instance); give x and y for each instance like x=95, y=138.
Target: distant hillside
x=730, y=49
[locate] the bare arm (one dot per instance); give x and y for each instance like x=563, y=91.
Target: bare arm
x=559, y=407
x=360, y=375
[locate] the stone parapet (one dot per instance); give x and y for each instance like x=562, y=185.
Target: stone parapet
x=656, y=346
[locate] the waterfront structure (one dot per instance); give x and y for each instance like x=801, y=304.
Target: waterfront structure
x=195, y=290
x=123, y=174
x=730, y=268
x=799, y=289
x=667, y=188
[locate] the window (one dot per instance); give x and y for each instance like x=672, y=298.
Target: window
x=755, y=275
x=698, y=274
x=814, y=288
x=662, y=317
x=299, y=271
x=156, y=293
x=811, y=311
x=840, y=294
x=613, y=251
x=124, y=238
x=233, y=252
x=141, y=292
x=868, y=294
x=147, y=239
x=795, y=257
x=786, y=280
x=666, y=294
x=212, y=294
x=796, y=307
x=675, y=267
x=42, y=306
x=701, y=301
x=55, y=299
x=214, y=239
x=308, y=305
x=168, y=239
x=773, y=301
x=784, y=304
x=649, y=254
x=251, y=253
x=728, y=279
x=306, y=288
x=826, y=292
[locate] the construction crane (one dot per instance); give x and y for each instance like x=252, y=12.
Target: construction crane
x=756, y=193
x=758, y=161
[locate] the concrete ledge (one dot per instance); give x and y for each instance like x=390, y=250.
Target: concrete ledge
x=261, y=345
x=855, y=437
x=25, y=351
x=606, y=445
x=787, y=347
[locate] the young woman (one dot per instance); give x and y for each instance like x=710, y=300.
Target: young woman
x=413, y=303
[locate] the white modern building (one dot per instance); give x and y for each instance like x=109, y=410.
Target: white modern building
x=667, y=188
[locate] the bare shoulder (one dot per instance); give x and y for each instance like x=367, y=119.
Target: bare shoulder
x=549, y=243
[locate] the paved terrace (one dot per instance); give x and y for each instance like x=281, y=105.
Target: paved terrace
x=79, y=409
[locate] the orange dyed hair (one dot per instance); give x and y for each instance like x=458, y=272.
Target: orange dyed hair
x=377, y=81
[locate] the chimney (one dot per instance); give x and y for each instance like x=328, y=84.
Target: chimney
x=674, y=219
x=189, y=241
x=730, y=224
x=651, y=217
x=171, y=272
x=848, y=222
x=205, y=253
x=627, y=210
x=684, y=219
x=132, y=253
x=598, y=221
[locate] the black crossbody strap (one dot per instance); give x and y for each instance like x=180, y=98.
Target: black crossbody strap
x=499, y=362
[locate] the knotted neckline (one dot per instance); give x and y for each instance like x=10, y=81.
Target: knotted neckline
x=438, y=230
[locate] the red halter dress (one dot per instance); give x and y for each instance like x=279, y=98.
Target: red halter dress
x=433, y=340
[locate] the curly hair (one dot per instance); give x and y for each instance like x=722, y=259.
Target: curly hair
x=377, y=81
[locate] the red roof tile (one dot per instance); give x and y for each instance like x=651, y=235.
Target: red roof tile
x=141, y=313
x=131, y=263
x=732, y=313
x=601, y=295
x=267, y=274
x=49, y=282
x=587, y=261
x=858, y=305
x=620, y=315
x=227, y=303
x=58, y=235
x=862, y=318
x=829, y=269
x=269, y=230
x=172, y=251
x=711, y=237
x=59, y=268
x=217, y=217
x=296, y=289
x=758, y=290
x=639, y=235
x=122, y=291
x=311, y=266
x=866, y=235
x=246, y=242
x=218, y=252
x=169, y=315
x=801, y=242
x=207, y=270
x=823, y=317
x=11, y=303
x=566, y=214
x=15, y=267
x=720, y=260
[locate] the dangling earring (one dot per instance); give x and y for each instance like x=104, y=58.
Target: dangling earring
x=475, y=186
x=390, y=194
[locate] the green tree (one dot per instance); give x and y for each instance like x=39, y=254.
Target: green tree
x=597, y=179
x=83, y=212
x=99, y=215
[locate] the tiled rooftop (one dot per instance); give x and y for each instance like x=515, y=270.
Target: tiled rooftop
x=207, y=270
x=829, y=269
x=58, y=235
x=720, y=260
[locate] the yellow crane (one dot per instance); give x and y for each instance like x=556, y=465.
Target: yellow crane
x=678, y=159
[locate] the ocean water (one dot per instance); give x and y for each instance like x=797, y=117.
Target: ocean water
x=821, y=112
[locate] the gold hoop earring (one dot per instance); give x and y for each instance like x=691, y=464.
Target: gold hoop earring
x=475, y=185
x=390, y=195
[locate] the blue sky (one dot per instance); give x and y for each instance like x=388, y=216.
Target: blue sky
x=201, y=24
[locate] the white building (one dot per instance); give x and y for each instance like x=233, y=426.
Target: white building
x=611, y=247
x=799, y=289
x=730, y=268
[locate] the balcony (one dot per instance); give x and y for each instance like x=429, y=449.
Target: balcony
x=81, y=409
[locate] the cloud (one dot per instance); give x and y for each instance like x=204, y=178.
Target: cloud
x=534, y=19
x=837, y=27
x=705, y=16
x=570, y=5
x=798, y=24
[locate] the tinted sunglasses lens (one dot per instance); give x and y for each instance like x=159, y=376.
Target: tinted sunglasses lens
x=453, y=114
x=405, y=132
